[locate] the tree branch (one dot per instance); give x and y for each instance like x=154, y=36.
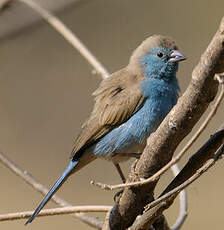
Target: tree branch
x=145, y=221
x=93, y=222
x=174, y=128
x=183, y=179
x=164, y=201
x=197, y=160
x=55, y=211
x=183, y=203
x=68, y=35
x=161, y=223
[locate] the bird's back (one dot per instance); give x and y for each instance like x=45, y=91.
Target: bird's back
x=116, y=99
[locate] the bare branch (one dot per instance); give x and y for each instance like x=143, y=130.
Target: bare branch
x=182, y=213
x=164, y=201
x=183, y=203
x=93, y=222
x=198, y=159
x=144, y=223
x=68, y=36
x=183, y=194
x=199, y=172
x=160, y=223
x=55, y=211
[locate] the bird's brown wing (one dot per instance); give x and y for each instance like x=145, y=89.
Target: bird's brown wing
x=116, y=100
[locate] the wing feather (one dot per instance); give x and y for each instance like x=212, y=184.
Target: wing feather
x=116, y=100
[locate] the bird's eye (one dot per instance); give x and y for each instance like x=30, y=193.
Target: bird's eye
x=160, y=55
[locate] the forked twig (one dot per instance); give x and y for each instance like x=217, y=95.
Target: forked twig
x=198, y=163
x=199, y=172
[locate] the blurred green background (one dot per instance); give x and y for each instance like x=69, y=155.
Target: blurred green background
x=45, y=95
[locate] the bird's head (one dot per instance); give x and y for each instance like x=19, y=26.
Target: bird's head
x=157, y=57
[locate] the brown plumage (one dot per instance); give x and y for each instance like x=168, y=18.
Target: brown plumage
x=118, y=97
x=114, y=104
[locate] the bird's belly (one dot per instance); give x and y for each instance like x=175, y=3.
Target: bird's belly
x=125, y=154
x=131, y=136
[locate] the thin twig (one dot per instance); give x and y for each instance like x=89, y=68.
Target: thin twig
x=145, y=223
x=183, y=203
x=183, y=208
x=156, y=208
x=199, y=172
x=55, y=211
x=68, y=35
x=197, y=160
x=93, y=222
x=175, y=159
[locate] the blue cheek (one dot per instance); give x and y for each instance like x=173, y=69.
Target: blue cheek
x=158, y=68
x=150, y=65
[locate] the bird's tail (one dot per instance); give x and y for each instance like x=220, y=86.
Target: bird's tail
x=54, y=189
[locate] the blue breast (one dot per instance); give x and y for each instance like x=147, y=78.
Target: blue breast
x=160, y=98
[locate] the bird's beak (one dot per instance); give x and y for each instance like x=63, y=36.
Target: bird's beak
x=176, y=56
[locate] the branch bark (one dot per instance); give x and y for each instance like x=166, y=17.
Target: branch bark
x=205, y=152
x=196, y=161
x=144, y=223
x=161, y=223
x=179, y=122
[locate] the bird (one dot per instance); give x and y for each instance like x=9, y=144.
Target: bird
x=129, y=105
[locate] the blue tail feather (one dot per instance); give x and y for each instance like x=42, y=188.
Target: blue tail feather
x=53, y=190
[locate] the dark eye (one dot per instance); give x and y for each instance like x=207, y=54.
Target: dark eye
x=160, y=55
